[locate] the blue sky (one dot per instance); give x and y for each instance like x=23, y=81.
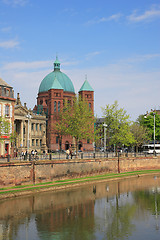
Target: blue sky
x=115, y=43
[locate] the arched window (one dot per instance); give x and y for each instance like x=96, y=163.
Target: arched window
x=59, y=106
x=55, y=106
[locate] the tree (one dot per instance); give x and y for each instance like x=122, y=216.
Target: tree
x=118, y=125
x=60, y=129
x=4, y=127
x=148, y=122
x=76, y=120
x=140, y=134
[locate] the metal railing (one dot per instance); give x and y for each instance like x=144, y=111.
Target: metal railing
x=81, y=155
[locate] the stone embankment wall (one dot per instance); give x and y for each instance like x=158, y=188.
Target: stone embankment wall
x=35, y=172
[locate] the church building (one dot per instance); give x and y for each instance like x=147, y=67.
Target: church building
x=54, y=90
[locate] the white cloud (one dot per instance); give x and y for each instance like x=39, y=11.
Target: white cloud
x=136, y=89
x=70, y=11
x=6, y=29
x=114, y=17
x=9, y=44
x=21, y=66
x=146, y=57
x=91, y=55
x=148, y=15
x=15, y=2
x=27, y=65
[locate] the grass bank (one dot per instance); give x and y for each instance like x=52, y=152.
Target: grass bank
x=14, y=191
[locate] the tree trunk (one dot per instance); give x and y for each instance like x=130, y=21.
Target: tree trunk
x=76, y=147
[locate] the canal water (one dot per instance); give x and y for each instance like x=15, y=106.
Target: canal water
x=115, y=210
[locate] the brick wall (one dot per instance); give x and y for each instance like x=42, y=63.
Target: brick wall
x=34, y=172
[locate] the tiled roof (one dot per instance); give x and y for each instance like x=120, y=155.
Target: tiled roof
x=3, y=83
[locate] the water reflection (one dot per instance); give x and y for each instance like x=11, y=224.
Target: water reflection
x=127, y=209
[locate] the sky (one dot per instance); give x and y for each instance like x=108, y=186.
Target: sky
x=115, y=44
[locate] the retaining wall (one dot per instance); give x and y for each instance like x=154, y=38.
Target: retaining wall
x=42, y=171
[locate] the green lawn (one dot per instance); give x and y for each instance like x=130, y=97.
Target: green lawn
x=57, y=183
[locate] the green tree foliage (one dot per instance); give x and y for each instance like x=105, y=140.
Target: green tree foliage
x=76, y=120
x=5, y=130
x=118, y=125
x=148, y=122
x=140, y=134
x=4, y=127
x=98, y=129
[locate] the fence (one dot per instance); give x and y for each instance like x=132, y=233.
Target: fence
x=81, y=155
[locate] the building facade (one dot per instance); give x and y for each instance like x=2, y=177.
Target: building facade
x=54, y=90
x=7, y=102
x=30, y=129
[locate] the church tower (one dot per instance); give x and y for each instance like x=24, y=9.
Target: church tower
x=55, y=104
x=86, y=92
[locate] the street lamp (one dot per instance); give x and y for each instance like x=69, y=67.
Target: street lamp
x=104, y=125
x=154, y=132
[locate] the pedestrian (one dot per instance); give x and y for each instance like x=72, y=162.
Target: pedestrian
x=32, y=153
x=26, y=154
x=22, y=155
x=70, y=152
x=67, y=154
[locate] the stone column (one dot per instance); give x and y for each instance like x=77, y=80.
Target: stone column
x=21, y=134
x=43, y=147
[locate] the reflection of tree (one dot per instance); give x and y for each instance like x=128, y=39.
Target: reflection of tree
x=149, y=200
x=113, y=220
x=120, y=225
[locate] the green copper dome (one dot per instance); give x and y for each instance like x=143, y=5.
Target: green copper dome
x=64, y=81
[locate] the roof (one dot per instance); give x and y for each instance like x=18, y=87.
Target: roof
x=86, y=87
x=3, y=83
x=56, y=84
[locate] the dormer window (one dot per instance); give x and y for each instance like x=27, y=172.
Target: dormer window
x=7, y=92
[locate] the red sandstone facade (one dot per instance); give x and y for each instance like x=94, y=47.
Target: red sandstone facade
x=51, y=102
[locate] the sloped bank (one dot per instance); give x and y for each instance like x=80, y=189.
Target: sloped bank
x=16, y=191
